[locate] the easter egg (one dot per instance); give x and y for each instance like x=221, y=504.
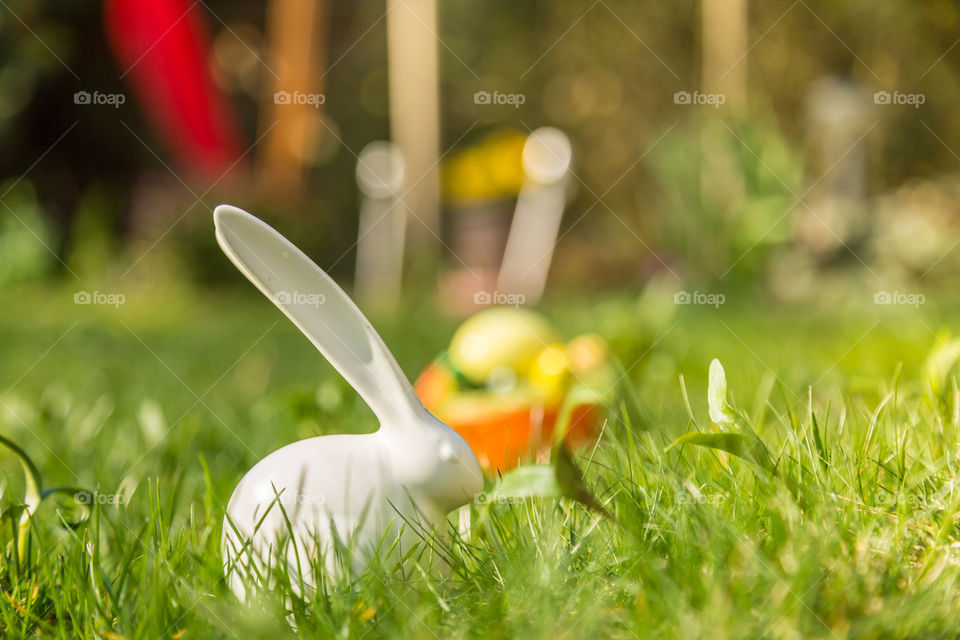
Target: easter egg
x=549, y=372
x=498, y=338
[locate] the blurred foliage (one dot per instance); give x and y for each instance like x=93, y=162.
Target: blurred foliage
x=33, y=50
x=606, y=74
x=25, y=236
x=729, y=188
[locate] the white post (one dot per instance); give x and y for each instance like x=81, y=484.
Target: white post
x=380, y=176
x=536, y=222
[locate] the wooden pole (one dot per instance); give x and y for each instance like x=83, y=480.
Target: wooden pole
x=292, y=113
x=723, y=71
x=724, y=50
x=415, y=112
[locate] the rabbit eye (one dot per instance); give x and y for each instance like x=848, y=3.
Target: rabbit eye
x=446, y=453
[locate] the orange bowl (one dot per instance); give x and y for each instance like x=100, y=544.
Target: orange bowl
x=502, y=436
x=501, y=441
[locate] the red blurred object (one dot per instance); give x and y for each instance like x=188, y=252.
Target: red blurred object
x=162, y=46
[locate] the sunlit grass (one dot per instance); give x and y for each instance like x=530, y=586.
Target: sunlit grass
x=854, y=534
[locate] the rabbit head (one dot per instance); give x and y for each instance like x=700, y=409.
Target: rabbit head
x=441, y=467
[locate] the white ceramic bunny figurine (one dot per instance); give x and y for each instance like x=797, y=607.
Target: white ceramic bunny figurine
x=414, y=470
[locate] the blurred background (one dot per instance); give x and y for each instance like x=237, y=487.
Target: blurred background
x=786, y=147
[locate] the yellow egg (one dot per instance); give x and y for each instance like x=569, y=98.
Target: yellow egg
x=549, y=372
x=498, y=338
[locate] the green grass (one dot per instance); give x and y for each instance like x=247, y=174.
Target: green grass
x=855, y=535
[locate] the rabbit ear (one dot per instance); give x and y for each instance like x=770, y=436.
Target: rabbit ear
x=319, y=308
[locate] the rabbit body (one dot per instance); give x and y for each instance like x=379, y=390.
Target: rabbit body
x=338, y=481
x=351, y=483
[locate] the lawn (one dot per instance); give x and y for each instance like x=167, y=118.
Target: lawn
x=167, y=400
